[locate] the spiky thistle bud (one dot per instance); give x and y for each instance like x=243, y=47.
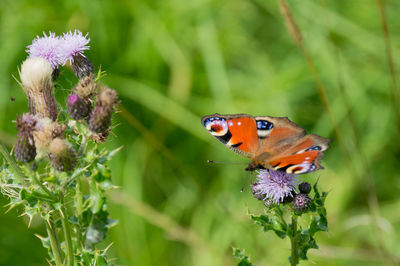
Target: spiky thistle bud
x=82, y=66
x=108, y=98
x=36, y=77
x=100, y=118
x=305, y=188
x=289, y=197
x=25, y=150
x=301, y=202
x=77, y=107
x=63, y=158
x=86, y=87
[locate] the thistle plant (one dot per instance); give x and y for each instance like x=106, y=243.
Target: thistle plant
x=58, y=169
x=284, y=198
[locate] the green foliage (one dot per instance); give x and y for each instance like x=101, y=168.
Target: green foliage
x=273, y=220
x=244, y=260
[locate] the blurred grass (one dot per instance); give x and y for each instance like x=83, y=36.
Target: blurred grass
x=173, y=62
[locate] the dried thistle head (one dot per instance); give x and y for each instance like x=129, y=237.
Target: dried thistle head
x=25, y=150
x=36, y=77
x=45, y=131
x=26, y=123
x=63, y=158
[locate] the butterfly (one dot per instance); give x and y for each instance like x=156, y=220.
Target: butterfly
x=270, y=142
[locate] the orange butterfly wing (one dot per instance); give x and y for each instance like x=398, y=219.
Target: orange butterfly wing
x=271, y=142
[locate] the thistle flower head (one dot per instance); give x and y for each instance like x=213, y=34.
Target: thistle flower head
x=46, y=47
x=73, y=45
x=275, y=185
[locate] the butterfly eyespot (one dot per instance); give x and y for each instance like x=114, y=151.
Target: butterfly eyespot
x=314, y=148
x=301, y=168
x=216, y=128
x=263, y=128
x=264, y=125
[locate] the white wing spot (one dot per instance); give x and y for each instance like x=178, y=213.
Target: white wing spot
x=239, y=123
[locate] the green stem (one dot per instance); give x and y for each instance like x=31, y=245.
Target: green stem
x=279, y=212
x=293, y=241
x=54, y=243
x=67, y=233
x=79, y=207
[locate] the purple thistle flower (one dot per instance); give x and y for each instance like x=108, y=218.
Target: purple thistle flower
x=73, y=45
x=46, y=47
x=275, y=185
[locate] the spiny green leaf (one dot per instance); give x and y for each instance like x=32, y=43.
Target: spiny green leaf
x=244, y=260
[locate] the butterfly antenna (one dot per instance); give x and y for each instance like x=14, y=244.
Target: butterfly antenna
x=221, y=162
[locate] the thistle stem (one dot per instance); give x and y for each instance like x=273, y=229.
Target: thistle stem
x=79, y=208
x=54, y=243
x=67, y=233
x=294, y=259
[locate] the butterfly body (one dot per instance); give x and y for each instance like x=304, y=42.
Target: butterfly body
x=270, y=142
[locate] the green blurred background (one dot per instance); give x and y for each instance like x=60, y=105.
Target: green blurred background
x=174, y=61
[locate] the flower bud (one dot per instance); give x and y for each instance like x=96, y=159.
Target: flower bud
x=77, y=107
x=82, y=66
x=107, y=98
x=305, y=188
x=25, y=150
x=289, y=197
x=100, y=118
x=86, y=87
x=301, y=202
x=63, y=158
x=36, y=77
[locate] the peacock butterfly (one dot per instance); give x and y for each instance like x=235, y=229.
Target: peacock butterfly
x=270, y=142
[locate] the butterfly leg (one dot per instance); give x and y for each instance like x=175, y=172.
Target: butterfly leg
x=254, y=166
